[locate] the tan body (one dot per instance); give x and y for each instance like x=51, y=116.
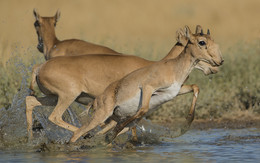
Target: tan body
x=74, y=47
x=51, y=47
x=82, y=78
x=130, y=98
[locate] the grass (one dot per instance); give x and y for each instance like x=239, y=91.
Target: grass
x=233, y=92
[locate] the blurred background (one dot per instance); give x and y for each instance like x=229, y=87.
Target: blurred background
x=145, y=28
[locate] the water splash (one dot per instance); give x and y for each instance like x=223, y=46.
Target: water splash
x=13, y=120
x=149, y=132
x=54, y=133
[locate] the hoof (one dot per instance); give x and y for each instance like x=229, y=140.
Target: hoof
x=30, y=136
x=109, y=138
x=73, y=139
x=32, y=93
x=134, y=139
x=190, y=118
x=109, y=145
x=88, y=136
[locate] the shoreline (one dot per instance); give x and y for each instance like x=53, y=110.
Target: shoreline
x=205, y=124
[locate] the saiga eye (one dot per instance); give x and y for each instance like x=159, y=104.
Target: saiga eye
x=202, y=43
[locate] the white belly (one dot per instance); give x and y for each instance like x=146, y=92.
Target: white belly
x=128, y=108
x=163, y=95
x=131, y=106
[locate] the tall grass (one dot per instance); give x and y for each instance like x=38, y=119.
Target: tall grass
x=233, y=92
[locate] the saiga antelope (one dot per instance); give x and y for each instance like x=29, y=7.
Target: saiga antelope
x=51, y=46
x=80, y=78
x=131, y=97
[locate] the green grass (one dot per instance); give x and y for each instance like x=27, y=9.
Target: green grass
x=233, y=92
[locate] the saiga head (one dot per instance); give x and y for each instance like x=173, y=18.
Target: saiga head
x=203, y=48
x=204, y=66
x=44, y=26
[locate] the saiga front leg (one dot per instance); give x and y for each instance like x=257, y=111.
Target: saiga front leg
x=187, y=89
x=31, y=102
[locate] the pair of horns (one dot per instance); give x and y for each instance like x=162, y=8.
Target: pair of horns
x=37, y=15
x=199, y=30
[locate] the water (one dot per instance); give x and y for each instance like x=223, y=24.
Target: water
x=214, y=145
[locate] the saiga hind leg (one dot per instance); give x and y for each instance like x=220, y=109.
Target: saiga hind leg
x=146, y=94
x=101, y=114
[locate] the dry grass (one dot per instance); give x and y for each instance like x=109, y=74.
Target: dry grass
x=147, y=29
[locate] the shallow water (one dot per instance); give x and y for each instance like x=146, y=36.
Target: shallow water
x=213, y=145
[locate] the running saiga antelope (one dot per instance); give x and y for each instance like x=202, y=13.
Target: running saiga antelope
x=131, y=97
x=79, y=78
x=51, y=46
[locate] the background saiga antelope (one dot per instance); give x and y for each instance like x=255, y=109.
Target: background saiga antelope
x=51, y=46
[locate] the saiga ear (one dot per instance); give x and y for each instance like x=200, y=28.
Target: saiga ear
x=57, y=15
x=36, y=14
x=188, y=33
x=181, y=37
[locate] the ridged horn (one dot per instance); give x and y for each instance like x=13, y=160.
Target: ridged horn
x=36, y=14
x=208, y=32
x=198, y=29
